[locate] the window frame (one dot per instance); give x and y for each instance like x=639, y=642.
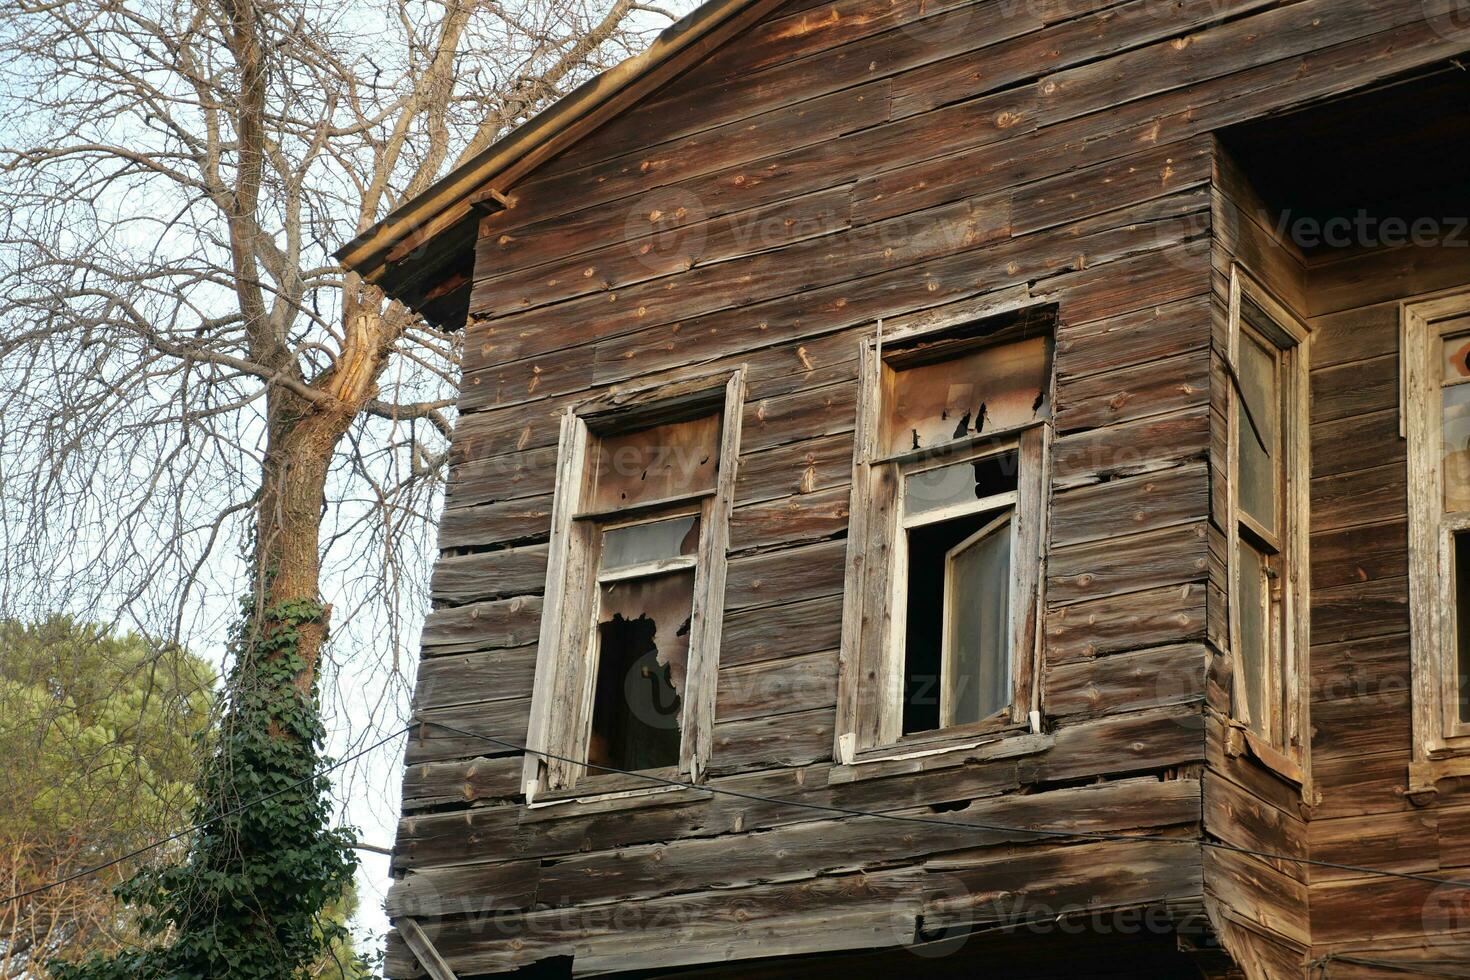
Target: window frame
x=1288, y=544
x=562, y=699
x=1006, y=517
x=1438, y=734
x=871, y=675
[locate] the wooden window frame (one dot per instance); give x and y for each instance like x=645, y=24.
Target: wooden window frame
x=1441, y=743
x=946, y=655
x=1291, y=757
x=562, y=695
x=870, y=678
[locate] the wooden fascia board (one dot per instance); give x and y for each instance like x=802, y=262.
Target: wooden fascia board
x=450, y=200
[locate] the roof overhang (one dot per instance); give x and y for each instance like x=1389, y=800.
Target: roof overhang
x=423, y=252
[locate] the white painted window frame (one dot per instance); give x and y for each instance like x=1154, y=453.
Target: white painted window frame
x=1439, y=738
x=1291, y=758
x=870, y=678
x=562, y=695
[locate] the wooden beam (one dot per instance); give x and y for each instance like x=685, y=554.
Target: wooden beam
x=428, y=956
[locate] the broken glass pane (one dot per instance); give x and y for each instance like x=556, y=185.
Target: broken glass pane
x=1455, y=361
x=977, y=680
x=959, y=483
x=1456, y=447
x=652, y=464
x=986, y=389
x=642, y=657
x=1258, y=389
x=638, y=544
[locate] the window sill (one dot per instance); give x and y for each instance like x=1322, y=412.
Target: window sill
x=941, y=753
x=605, y=787
x=1425, y=774
x=1241, y=741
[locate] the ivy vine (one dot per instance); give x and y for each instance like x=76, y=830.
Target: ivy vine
x=245, y=900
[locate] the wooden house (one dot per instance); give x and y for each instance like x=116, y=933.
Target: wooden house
x=955, y=487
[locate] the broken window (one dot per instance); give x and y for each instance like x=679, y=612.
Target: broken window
x=642, y=663
x=994, y=388
x=1436, y=421
x=958, y=526
x=942, y=640
x=1268, y=533
x=631, y=619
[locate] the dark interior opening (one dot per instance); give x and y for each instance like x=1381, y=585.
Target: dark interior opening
x=635, y=714
x=1357, y=172
x=924, y=637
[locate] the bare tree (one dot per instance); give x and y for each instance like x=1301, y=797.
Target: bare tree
x=196, y=400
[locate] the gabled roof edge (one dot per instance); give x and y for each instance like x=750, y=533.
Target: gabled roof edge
x=447, y=200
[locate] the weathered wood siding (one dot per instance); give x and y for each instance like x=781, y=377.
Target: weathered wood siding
x=1360, y=627
x=1260, y=902
x=840, y=162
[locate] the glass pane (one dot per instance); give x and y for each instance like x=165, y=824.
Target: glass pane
x=1258, y=442
x=1251, y=662
x=1456, y=464
x=973, y=392
x=959, y=483
x=1456, y=358
x=651, y=464
x=1462, y=621
x=637, y=544
x=642, y=654
x=977, y=638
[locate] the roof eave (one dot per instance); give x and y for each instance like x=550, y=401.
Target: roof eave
x=448, y=201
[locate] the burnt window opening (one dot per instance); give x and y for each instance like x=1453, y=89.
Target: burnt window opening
x=636, y=707
x=630, y=623
x=949, y=488
x=649, y=489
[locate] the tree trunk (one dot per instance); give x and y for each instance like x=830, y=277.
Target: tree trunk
x=287, y=561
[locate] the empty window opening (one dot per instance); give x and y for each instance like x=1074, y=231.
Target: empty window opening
x=957, y=659
x=635, y=720
x=642, y=664
x=949, y=489
x=628, y=648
